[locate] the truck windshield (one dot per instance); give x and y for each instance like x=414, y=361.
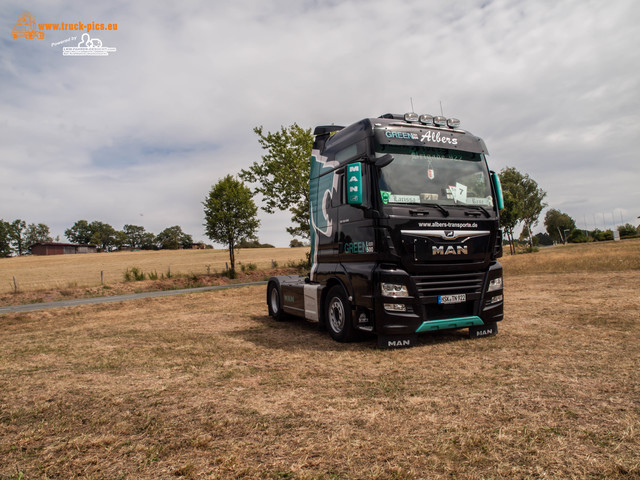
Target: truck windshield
x=434, y=176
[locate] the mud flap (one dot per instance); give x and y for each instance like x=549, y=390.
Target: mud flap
x=397, y=341
x=483, y=330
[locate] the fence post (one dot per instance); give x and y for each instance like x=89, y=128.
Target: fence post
x=15, y=284
x=102, y=277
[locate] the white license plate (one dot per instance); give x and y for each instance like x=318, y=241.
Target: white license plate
x=447, y=299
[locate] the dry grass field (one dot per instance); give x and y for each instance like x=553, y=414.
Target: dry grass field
x=207, y=386
x=64, y=271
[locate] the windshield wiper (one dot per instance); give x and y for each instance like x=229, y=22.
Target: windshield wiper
x=477, y=207
x=443, y=210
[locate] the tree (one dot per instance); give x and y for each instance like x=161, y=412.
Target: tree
x=522, y=202
x=542, y=239
x=253, y=243
x=556, y=223
x=103, y=235
x=17, y=230
x=230, y=215
x=173, y=238
x=5, y=240
x=282, y=177
x=627, y=230
x=80, y=232
x=137, y=237
x=100, y=234
x=120, y=240
x=37, y=234
x=295, y=243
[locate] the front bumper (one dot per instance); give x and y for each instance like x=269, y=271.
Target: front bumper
x=424, y=313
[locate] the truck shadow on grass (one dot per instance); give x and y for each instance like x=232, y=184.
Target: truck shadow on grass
x=297, y=333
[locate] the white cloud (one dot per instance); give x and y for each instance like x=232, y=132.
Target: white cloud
x=551, y=86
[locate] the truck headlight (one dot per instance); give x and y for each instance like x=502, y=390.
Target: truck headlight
x=495, y=284
x=394, y=290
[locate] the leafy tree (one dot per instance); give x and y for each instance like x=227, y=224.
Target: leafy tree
x=37, y=234
x=173, y=238
x=602, y=236
x=80, y=232
x=17, y=231
x=103, y=235
x=148, y=241
x=578, y=236
x=556, y=223
x=230, y=215
x=137, y=237
x=120, y=240
x=542, y=239
x=253, y=243
x=296, y=243
x=5, y=240
x=627, y=230
x=282, y=177
x=522, y=201
x=100, y=234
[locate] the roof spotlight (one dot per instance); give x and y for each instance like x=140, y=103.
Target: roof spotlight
x=453, y=122
x=440, y=121
x=426, y=119
x=411, y=117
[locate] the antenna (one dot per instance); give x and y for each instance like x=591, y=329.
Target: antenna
x=411, y=100
x=441, y=111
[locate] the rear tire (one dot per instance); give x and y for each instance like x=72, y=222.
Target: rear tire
x=273, y=302
x=338, y=315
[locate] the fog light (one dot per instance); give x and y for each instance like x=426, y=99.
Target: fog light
x=395, y=307
x=495, y=284
x=496, y=299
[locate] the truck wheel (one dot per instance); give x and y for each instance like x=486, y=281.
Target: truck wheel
x=273, y=302
x=338, y=315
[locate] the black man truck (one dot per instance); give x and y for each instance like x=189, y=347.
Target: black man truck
x=405, y=233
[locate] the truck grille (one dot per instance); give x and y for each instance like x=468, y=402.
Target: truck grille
x=449, y=284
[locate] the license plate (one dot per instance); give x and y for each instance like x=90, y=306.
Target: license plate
x=448, y=299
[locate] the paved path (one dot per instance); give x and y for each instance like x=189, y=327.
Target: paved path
x=117, y=298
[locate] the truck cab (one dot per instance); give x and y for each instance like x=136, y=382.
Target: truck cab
x=405, y=232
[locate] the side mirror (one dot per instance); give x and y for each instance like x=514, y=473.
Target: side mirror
x=383, y=161
x=498, y=188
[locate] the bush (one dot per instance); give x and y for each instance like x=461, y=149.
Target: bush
x=600, y=236
x=578, y=236
x=249, y=267
x=627, y=230
x=133, y=274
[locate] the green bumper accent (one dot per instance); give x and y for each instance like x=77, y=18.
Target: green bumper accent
x=449, y=323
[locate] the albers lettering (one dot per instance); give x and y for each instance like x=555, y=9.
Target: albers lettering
x=437, y=138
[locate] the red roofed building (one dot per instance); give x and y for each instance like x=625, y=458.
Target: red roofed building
x=54, y=248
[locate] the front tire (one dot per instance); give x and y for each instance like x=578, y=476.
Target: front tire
x=338, y=315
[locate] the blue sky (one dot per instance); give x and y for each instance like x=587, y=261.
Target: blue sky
x=140, y=136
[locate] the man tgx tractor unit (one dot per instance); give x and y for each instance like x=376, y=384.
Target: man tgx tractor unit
x=405, y=233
